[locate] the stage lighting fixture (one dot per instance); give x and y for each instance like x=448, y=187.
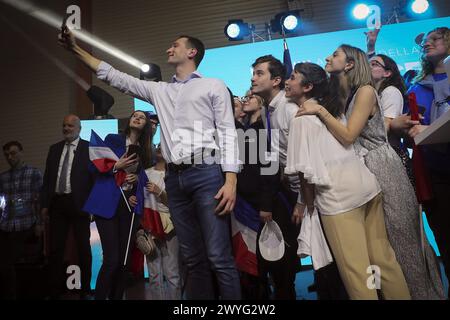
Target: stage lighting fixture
x=289, y=21
x=236, y=30
x=420, y=6
x=361, y=11
x=150, y=72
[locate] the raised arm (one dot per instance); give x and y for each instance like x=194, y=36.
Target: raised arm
x=371, y=40
x=123, y=82
x=365, y=105
x=67, y=40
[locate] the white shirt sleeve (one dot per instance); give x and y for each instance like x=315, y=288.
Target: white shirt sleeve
x=391, y=102
x=141, y=89
x=226, y=129
x=304, y=155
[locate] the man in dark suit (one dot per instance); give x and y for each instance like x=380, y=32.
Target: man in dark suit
x=67, y=184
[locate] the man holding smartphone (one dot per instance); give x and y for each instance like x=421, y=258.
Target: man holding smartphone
x=190, y=109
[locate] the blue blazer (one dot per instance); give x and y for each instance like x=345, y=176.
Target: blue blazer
x=105, y=195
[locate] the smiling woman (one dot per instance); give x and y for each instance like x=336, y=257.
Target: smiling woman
x=364, y=128
x=432, y=91
x=109, y=203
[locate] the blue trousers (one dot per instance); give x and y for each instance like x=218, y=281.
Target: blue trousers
x=204, y=237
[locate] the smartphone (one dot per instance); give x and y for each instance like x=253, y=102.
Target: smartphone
x=2, y=202
x=64, y=28
x=63, y=25
x=133, y=148
x=422, y=110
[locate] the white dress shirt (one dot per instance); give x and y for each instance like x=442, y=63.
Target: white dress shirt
x=281, y=113
x=190, y=113
x=73, y=148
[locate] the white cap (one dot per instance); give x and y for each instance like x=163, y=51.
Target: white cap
x=271, y=242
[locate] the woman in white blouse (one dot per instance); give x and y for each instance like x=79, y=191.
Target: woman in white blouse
x=345, y=192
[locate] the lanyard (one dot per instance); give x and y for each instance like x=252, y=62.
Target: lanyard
x=269, y=132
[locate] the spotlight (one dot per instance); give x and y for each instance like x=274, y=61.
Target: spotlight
x=150, y=72
x=420, y=6
x=289, y=21
x=236, y=30
x=361, y=11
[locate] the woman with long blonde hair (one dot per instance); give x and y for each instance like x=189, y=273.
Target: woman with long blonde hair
x=353, y=92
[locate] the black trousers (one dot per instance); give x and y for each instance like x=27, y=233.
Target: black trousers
x=283, y=271
x=12, y=245
x=114, y=237
x=438, y=215
x=63, y=215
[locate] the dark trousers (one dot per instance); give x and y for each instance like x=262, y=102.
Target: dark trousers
x=114, y=238
x=283, y=271
x=254, y=287
x=12, y=245
x=438, y=215
x=63, y=215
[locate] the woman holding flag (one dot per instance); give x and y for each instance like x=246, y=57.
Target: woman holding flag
x=120, y=175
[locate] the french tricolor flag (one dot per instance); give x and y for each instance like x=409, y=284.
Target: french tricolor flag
x=151, y=219
x=103, y=157
x=100, y=154
x=244, y=229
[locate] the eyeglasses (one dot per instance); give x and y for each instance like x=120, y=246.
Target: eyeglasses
x=375, y=63
x=431, y=39
x=245, y=99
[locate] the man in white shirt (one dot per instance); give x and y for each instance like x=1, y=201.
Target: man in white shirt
x=268, y=82
x=190, y=110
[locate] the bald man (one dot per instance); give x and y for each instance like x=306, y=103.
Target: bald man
x=67, y=184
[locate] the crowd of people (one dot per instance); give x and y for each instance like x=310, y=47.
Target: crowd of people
x=331, y=141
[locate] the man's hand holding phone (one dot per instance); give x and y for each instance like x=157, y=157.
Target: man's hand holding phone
x=66, y=38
